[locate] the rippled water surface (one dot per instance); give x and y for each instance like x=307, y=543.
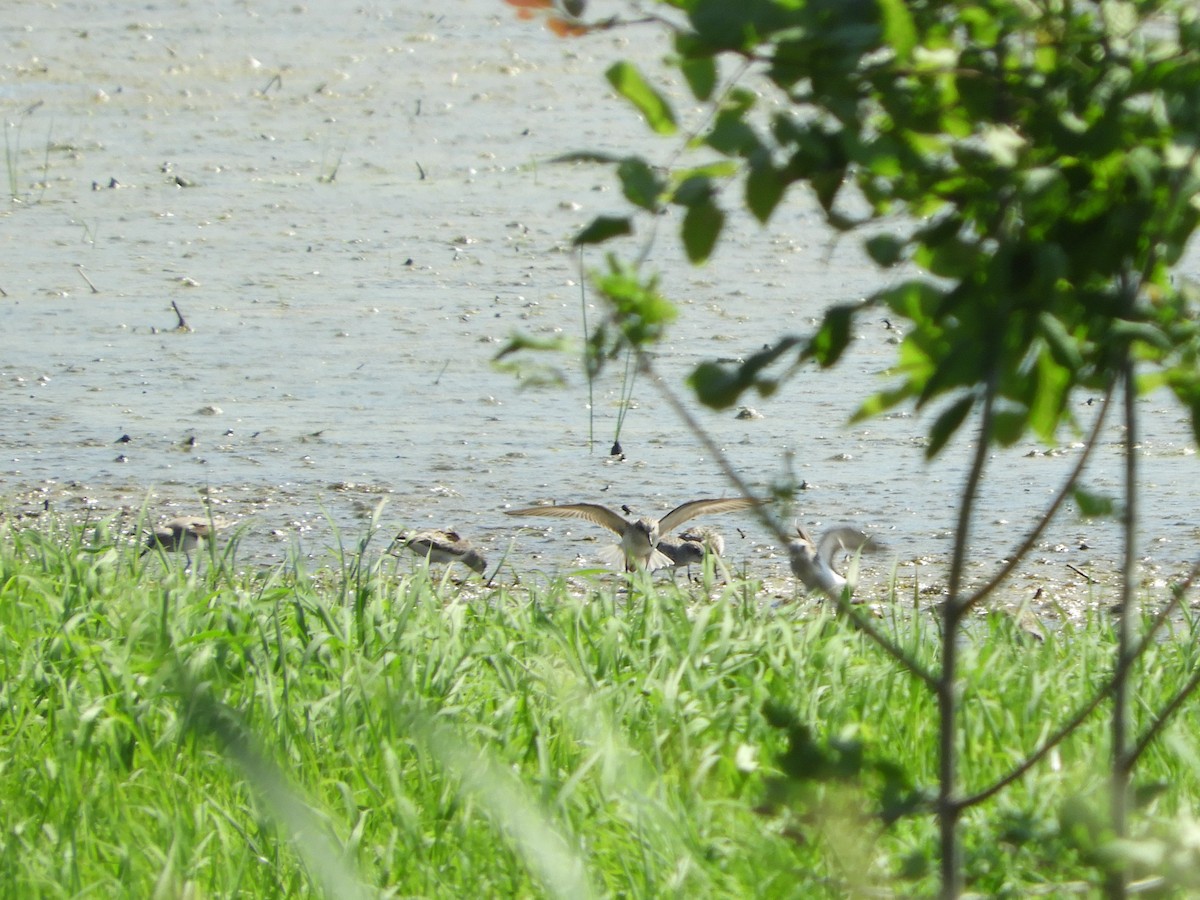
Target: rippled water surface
x=353, y=207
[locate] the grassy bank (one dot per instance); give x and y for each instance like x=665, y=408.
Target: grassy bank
x=368, y=728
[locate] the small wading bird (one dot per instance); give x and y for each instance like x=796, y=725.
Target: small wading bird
x=812, y=562
x=181, y=535
x=692, y=546
x=682, y=553
x=707, y=537
x=441, y=546
x=640, y=539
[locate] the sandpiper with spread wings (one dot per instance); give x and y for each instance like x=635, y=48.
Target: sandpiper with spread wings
x=812, y=562
x=182, y=534
x=442, y=546
x=639, y=539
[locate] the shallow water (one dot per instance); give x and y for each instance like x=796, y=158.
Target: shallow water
x=353, y=210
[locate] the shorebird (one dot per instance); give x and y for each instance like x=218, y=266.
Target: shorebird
x=440, y=546
x=707, y=537
x=682, y=553
x=639, y=539
x=813, y=563
x=182, y=534
x=692, y=546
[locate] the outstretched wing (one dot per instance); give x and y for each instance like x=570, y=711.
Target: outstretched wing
x=845, y=540
x=197, y=525
x=592, y=512
x=424, y=543
x=693, y=508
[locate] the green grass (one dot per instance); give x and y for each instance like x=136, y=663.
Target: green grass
x=372, y=730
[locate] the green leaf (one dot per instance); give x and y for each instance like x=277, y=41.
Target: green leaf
x=1144, y=332
x=898, y=28
x=1092, y=505
x=950, y=258
x=696, y=181
x=984, y=28
x=692, y=190
x=1195, y=409
x=1064, y=347
x=915, y=300
x=764, y=190
x=832, y=338
x=1009, y=424
x=630, y=84
x=827, y=185
x=700, y=74
x=719, y=386
x=640, y=183
x=1184, y=382
x=1050, y=395
x=716, y=385
x=947, y=423
x=702, y=224
x=519, y=342
x=588, y=156
x=885, y=249
x=731, y=135
x=602, y=228
x=639, y=310
x=881, y=402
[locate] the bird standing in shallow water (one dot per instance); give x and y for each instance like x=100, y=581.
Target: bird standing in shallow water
x=812, y=562
x=683, y=553
x=692, y=546
x=639, y=539
x=442, y=546
x=182, y=534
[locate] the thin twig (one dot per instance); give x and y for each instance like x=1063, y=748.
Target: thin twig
x=588, y=367
x=332, y=175
x=183, y=325
x=1064, y=731
x=1082, y=574
x=1122, y=701
x=627, y=382
x=948, y=808
x=83, y=275
x=1163, y=718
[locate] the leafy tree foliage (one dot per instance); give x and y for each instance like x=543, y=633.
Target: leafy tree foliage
x=1036, y=163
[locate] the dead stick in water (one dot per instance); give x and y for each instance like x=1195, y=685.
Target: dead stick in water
x=1084, y=575
x=183, y=325
x=83, y=275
